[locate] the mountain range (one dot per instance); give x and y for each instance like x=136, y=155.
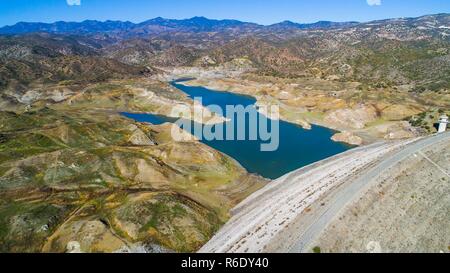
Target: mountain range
x=196, y=24
x=391, y=52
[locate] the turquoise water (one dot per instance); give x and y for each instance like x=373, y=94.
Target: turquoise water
x=297, y=147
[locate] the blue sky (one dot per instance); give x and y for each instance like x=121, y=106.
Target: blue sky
x=258, y=11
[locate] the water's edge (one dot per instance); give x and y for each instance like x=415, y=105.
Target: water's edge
x=298, y=147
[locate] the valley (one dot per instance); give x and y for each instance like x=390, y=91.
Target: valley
x=362, y=118
x=80, y=172
x=296, y=147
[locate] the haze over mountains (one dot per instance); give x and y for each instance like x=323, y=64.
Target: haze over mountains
x=196, y=24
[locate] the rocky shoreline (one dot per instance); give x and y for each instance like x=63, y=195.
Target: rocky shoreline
x=303, y=103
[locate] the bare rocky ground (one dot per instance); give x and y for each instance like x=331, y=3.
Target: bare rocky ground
x=406, y=210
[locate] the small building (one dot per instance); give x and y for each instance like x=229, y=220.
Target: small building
x=443, y=121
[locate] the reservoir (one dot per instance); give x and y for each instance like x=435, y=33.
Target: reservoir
x=297, y=147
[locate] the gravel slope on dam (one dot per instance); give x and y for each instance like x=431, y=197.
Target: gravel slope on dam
x=290, y=213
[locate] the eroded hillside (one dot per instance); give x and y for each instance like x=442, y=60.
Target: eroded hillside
x=108, y=183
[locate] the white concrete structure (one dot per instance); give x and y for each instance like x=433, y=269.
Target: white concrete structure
x=443, y=121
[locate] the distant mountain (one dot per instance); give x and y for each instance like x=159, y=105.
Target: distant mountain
x=317, y=25
x=393, y=52
x=197, y=24
x=156, y=25
x=85, y=27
